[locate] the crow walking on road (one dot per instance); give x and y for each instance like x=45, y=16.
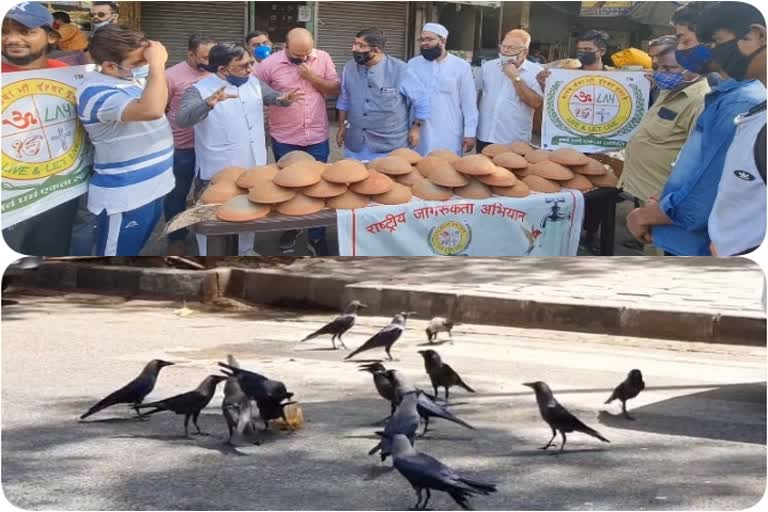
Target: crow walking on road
x=426, y=473
x=630, y=388
x=386, y=337
x=438, y=325
x=190, y=404
x=135, y=391
x=557, y=416
x=441, y=374
x=340, y=325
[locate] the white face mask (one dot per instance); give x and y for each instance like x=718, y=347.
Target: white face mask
x=506, y=59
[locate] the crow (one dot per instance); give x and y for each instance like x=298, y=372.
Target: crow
x=557, y=416
x=269, y=395
x=135, y=391
x=630, y=388
x=189, y=404
x=340, y=325
x=386, y=337
x=383, y=383
x=405, y=421
x=427, y=473
x=437, y=325
x=440, y=373
x=238, y=410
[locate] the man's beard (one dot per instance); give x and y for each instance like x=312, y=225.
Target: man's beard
x=23, y=61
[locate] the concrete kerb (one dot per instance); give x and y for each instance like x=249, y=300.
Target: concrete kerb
x=281, y=287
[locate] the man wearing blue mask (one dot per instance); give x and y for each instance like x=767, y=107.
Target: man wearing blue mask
x=122, y=107
x=258, y=41
x=678, y=222
x=102, y=15
x=650, y=153
x=226, y=109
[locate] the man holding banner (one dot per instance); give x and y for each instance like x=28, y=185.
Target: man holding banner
x=27, y=34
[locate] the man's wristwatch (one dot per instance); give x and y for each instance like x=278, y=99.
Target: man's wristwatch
x=517, y=79
x=416, y=123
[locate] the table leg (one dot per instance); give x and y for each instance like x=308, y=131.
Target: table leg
x=608, y=226
x=222, y=245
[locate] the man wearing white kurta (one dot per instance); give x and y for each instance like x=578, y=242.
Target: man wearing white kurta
x=509, y=93
x=449, y=84
x=227, y=110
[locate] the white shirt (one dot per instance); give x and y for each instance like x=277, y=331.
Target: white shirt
x=737, y=221
x=133, y=160
x=451, y=88
x=504, y=117
x=233, y=132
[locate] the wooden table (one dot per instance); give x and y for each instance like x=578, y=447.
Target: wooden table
x=222, y=236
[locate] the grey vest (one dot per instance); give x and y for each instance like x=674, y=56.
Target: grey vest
x=378, y=110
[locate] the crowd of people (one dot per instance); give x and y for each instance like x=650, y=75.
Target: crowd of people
x=695, y=166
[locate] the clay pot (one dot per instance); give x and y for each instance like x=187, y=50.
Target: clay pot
x=493, y=150
x=324, y=189
x=500, y=178
x=230, y=174
x=568, y=156
x=445, y=175
x=444, y=154
x=519, y=189
x=301, y=205
x=425, y=189
x=539, y=184
x=409, y=155
x=608, y=180
x=475, y=165
x=345, y=171
x=399, y=194
x=591, y=168
x=292, y=157
x=252, y=177
x=578, y=182
x=473, y=190
x=410, y=179
x=375, y=183
x=521, y=148
x=510, y=160
x=348, y=200
x=537, y=156
x=269, y=193
x=392, y=165
x=551, y=171
x=300, y=174
x=241, y=209
x=221, y=192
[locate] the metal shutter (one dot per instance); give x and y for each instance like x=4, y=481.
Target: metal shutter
x=172, y=23
x=338, y=22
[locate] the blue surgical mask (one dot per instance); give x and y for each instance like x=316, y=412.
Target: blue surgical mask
x=696, y=59
x=101, y=24
x=237, y=81
x=140, y=72
x=262, y=52
x=668, y=81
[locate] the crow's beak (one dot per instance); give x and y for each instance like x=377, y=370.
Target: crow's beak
x=362, y=306
x=422, y=352
x=166, y=363
x=529, y=384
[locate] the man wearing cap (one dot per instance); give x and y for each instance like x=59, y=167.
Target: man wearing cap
x=26, y=36
x=449, y=84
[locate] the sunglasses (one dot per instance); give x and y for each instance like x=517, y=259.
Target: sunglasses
x=99, y=15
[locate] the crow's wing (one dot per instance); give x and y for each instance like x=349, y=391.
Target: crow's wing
x=339, y=325
x=427, y=407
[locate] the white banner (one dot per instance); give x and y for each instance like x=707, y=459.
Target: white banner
x=46, y=154
x=593, y=111
x=537, y=225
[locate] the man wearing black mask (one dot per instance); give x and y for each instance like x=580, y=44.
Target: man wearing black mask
x=737, y=222
x=377, y=92
x=679, y=222
x=590, y=50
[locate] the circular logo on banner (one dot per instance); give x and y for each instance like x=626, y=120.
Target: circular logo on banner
x=594, y=105
x=41, y=132
x=450, y=238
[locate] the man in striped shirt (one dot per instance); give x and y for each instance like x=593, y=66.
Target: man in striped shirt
x=122, y=107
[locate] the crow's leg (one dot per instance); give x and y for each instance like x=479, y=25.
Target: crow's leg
x=562, y=446
x=429, y=495
x=418, y=500
x=624, y=410
x=194, y=420
x=186, y=425
x=342, y=343
x=554, y=433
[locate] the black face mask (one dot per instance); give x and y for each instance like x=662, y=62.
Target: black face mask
x=587, y=58
x=732, y=61
x=431, y=53
x=362, y=57
x=296, y=60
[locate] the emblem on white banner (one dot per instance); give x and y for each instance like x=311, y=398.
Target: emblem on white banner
x=450, y=238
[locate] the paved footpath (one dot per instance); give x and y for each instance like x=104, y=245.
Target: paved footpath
x=705, y=285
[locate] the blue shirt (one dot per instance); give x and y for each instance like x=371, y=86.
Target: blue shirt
x=690, y=192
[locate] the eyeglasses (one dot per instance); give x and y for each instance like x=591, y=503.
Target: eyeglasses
x=99, y=14
x=511, y=50
x=243, y=67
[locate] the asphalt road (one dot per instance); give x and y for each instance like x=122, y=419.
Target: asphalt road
x=698, y=441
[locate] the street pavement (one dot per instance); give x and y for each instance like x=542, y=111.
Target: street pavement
x=698, y=441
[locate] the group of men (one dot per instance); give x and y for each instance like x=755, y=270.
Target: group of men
x=159, y=133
